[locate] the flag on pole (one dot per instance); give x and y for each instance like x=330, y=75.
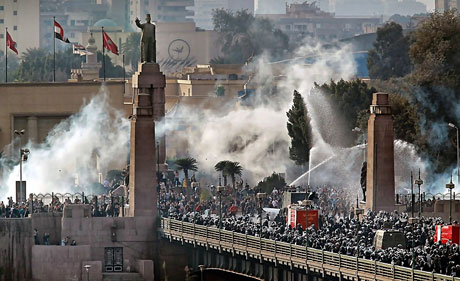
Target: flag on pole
x=79, y=50
x=109, y=45
x=59, y=32
x=10, y=43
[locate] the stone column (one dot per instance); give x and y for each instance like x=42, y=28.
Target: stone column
x=32, y=128
x=380, y=192
x=148, y=86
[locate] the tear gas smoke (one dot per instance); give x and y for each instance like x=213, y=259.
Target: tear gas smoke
x=90, y=142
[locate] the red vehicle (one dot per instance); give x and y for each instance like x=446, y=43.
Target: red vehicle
x=299, y=215
x=446, y=233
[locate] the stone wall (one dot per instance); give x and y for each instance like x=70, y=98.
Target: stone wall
x=59, y=262
x=48, y=223
x=16, y=240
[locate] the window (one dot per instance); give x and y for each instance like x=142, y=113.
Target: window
x=1, y=8
x=15, y=13
x=72, y=22
x=1, y=20
x=72, y=35
x=1, y=36
x=15, y=27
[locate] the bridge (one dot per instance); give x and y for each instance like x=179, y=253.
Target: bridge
x=266, y=258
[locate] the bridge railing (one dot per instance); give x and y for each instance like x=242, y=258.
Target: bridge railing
x=290, y=254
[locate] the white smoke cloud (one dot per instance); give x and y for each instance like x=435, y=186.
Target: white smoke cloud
x=256, y=136
x=98, y=131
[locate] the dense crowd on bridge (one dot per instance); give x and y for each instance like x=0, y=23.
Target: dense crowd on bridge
x=339, y=231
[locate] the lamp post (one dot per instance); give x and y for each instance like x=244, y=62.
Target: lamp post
x=450, y=186
x=201, y=271
x=419, y=182
x=87, y=268
x=220, y=189
x=412, y=195
x=20, y=134
x=458, y=165
x=261, y=196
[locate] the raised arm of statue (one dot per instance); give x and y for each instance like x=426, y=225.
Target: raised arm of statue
x=138, y=23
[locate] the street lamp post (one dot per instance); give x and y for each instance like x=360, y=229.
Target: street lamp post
x=261, y=196
x=220, y=189
x=412, y=195
x=87, y=268
x=201, y=271
x=450, y=186
x=458, y=158
x=419, y=182
x=21, y=153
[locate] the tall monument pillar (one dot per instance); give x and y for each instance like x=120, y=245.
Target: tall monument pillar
x=149, y=99
x=380, y=192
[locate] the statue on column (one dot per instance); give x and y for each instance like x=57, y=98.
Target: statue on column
x=148, y=42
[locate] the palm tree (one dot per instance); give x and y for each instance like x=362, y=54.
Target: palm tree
x=232, y=169
x=220, y=167
x=186, y=164
x=131, y=50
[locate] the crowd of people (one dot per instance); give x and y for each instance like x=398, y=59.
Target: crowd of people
x=338, y=229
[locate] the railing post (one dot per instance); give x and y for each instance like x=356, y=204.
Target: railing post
x=276, y=255
x=233, y=243
x=246, y=244
x=375, y=270
x=394, y=273
x=182, y=231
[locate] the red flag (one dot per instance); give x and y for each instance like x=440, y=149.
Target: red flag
x=10, y=43
x=109, y=45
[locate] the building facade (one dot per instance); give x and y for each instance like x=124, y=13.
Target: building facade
x=307, y=20
x=22, y=19
x=161, y=10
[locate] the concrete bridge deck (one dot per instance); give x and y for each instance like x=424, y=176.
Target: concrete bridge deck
x=293, y=256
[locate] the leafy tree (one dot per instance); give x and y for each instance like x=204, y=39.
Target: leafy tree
x=351, y=99
x=131, y=50
x=390, y=55
x=435, y=55
x=271, y=182
x=233, y=169
x=37, y=65
x=111, y=70
x=186, y=164
x=405, y=119
x=13, y=65
x=299, y=129
x=245, y=36
x=220, y=167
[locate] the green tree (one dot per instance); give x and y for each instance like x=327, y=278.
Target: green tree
x=350, y=98
x=37, y=65
x=131, y=50
x=220, y=167
x=111, y=70
x=299, y=129
x=271, y=182
x=390, y=55
x=233, y=169
x=13, y=65
x=186, y=164
x=245, y=36
x=435, y=54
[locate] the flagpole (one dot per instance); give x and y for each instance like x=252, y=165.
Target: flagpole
x=103, y=52
x=54, y=50
x=6, y=54
x=124, y=74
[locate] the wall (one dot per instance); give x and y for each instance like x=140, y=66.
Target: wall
x=48, y=223
x=59, y=262
x=16, y=240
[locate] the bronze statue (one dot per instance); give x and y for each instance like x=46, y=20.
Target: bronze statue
x=148, y=42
